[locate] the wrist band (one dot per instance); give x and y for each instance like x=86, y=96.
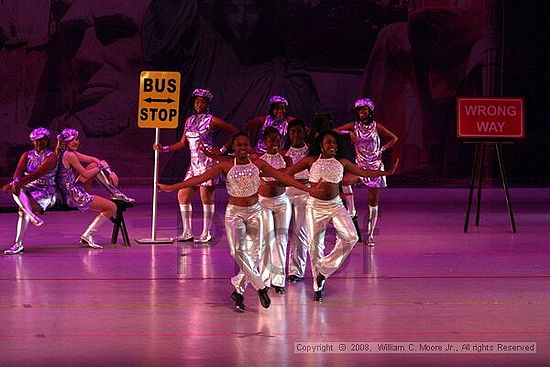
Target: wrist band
x=223, y=149
x=165, y=149
x=15, y=180
x=100, y=166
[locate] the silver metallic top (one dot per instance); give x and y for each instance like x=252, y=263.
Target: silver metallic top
x=280, y=125
x=296, y=155
x=274, y=160
x=326, y=169
x=243, y=180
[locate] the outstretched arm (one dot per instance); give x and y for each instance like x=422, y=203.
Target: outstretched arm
x=344, y=129
x=194, y=181
x=301, y=165
x=254, y=123
x=280, y=176
x=358, y=171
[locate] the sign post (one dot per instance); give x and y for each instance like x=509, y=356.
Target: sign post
x=489, y=121
x=158, y=109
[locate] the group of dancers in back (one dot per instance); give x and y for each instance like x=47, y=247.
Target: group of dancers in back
x=268, y=188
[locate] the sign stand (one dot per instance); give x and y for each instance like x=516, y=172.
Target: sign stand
x=477, y=173
x=153, y=239
x=158, y=91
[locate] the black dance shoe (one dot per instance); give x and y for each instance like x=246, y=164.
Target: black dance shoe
x=264, y=297
x=239, y=301
x=320, y=281
x=279, y=290
x=295, y=279
x=318, y=296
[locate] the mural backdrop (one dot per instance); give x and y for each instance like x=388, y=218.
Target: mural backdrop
x=76, y=63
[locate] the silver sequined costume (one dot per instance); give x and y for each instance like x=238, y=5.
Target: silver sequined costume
x=276, y=213
x=44, y=189
x=319, y=213
x=244, y=225
x=73, y=192
x=367, y=152
x=298, y=242
x=197, y=130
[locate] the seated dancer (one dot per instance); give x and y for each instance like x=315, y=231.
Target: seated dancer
x=198, y=131
x=33, y=187
x=243, y=219
x=324, y=204
x=73, y=176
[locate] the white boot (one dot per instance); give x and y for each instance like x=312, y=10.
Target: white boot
x=23, y=201
x=87, y=237
x=207, y=215
x=22, y=224
x=103, y=178
x=373, y=219
x=186, y=211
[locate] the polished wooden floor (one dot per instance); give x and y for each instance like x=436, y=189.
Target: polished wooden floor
x=168, y=305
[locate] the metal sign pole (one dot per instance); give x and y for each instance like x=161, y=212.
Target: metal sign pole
x=154, y=238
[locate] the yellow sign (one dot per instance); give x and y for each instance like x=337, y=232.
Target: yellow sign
x=159, y=99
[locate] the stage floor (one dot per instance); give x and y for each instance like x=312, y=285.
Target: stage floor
x=425, y=281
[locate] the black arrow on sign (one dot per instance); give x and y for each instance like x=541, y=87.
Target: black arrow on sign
x=153, y=100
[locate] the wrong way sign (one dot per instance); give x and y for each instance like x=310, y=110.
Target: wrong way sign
x=159, y=93
x=490, y=117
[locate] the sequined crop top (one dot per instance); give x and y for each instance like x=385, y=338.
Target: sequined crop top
x=328, y=170
x=243, y=180
x=274, y=160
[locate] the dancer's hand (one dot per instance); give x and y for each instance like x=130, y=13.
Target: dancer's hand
x=165, y=188
x=157, y=146
x=394, y=167
x=210, y=153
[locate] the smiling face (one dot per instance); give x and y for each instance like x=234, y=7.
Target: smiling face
x=329, y=146
x=241, y=147
x=296, y=135
x=272, y=143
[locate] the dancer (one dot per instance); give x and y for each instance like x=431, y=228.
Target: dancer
x=324, y=204
x=73, y=177
x=198, y=131
x=33, y=186
x=366, y=133
x=276, y=212
x=278, y=118
x=298, y=244
x=243, y=220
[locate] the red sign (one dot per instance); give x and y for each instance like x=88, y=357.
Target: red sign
x=491, y=118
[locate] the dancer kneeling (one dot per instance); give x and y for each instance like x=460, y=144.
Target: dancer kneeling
x=326, y=168
x=73, y=176
x=243, y=220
